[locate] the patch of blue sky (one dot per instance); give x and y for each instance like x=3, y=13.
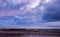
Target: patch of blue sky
x=14, y=21
x=11, y=6
x=23, y=22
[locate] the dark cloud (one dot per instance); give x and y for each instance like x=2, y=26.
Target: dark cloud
x=52, y=12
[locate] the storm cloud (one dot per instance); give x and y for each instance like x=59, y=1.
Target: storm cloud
x=28, y=13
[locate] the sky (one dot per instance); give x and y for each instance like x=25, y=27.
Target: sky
x=30, y=13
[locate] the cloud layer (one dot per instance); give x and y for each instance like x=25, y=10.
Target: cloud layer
x=45, y=14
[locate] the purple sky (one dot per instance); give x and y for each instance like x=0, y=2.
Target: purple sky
x=33, y=13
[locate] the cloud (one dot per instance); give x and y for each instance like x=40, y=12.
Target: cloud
x=52, y=12
x=47, y=14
